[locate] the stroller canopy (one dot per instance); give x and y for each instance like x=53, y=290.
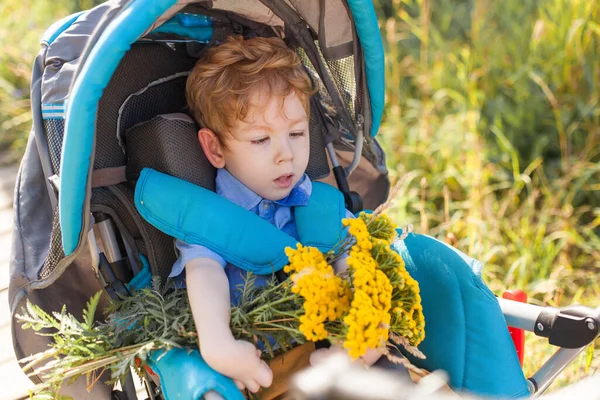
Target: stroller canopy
x=341, y=28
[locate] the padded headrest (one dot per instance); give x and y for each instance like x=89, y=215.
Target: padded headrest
x=169, y=143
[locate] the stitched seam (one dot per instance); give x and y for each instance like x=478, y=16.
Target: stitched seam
x=464, y=358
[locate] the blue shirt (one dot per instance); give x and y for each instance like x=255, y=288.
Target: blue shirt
x=278, y=213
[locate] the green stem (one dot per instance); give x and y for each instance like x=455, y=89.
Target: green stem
x=271, y=304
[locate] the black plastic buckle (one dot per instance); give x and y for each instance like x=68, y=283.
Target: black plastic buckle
x=113, y=285
x=571, y=327
x=352, y=199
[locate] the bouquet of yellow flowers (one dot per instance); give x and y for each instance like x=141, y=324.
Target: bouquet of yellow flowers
x=375, y=300
x=375, y=303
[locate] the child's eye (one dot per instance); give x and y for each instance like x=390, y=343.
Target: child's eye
x=297, y=134
x=260, y=141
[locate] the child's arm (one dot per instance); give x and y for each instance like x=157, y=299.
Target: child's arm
x=208, y=291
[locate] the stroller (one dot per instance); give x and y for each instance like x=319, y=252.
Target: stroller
x=108, y=107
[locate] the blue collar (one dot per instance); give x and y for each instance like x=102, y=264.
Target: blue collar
x=235, y=191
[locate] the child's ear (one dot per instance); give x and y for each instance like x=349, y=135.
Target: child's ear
x=212, y=147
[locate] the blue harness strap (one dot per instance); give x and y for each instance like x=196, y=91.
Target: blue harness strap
x=319, y=223
x=198, y=216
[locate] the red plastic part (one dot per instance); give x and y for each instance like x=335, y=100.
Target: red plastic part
x=138, y=362
x=518, y=335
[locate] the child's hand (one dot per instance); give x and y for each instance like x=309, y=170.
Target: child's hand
x=371, y=356
x=240, y=361
x=340, y=265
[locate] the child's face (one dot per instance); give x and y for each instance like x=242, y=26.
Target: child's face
x=268, y=152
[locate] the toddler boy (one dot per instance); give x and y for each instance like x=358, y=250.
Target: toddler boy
x=251, y=99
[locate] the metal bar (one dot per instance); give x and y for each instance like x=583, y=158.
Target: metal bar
x=94, y=251
x=331, y=151
x=109, y=240
x=520, y=315
x=129, y=387
x=358, y=145
x=552, y=368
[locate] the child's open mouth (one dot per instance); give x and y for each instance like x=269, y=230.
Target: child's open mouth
x=284, y=181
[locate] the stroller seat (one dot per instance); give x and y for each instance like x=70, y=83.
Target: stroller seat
x=132, y=117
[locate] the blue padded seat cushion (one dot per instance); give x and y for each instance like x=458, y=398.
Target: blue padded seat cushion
x=465, y=331
x=199, y=216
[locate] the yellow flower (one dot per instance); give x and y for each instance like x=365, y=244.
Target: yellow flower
x=378, y=297
x=368, y=319
x=380, y=227
x=326, y=296
x=385, y=297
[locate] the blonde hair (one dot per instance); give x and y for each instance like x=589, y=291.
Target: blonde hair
x=220, y=86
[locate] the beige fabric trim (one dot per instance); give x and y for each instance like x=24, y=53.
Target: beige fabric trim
x=372, y=186
x=108, y=176
x=337, y=21
x=251, y=9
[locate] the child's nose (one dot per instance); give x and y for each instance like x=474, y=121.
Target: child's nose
x=285, y=152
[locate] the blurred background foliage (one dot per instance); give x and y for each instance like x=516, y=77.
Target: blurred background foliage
x=492, y=119
x=493, y=115
x=22, y=24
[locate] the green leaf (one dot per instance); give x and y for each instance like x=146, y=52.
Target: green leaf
x=90, y=311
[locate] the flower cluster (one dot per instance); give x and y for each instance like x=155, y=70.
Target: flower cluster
x=375, y=300
x=368, y=320
x=407, y=318
x=326, y=296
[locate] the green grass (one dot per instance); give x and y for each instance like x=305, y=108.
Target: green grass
x=493, y=118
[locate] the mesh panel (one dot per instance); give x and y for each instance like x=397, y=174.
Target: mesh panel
x=55, y=253
x=163, y=98
x=342, y=72
x=55, y=129
x=318, y=167
x=324, y=101
x=143, y=64
x=168, y=145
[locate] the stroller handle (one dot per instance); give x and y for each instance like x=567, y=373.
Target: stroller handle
x=569, y=327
